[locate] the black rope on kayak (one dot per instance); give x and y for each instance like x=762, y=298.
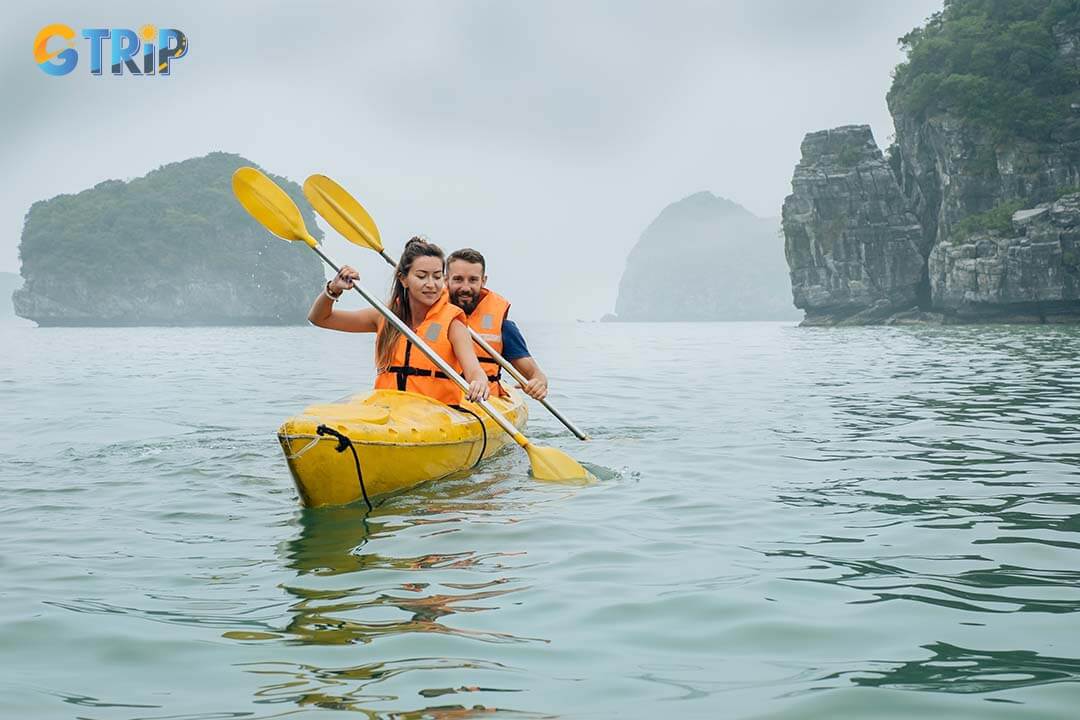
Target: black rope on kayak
x=344, y=442
x=483, y=429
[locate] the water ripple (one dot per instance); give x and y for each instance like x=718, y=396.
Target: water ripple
x=863, y=522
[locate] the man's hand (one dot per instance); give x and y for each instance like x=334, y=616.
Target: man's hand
x=537, y=385
x=536, y=388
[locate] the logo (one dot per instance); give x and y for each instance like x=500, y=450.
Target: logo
x=150, y=51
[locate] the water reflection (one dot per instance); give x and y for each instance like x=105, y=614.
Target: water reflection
x=359, y=687
x=351, y=587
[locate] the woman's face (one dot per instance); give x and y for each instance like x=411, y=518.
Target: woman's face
x=424, y=283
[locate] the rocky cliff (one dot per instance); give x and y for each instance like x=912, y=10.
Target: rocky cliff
x=855, y=249
x=170, y=248
x=705, y=258
x=1029, y=273
x=971, y=216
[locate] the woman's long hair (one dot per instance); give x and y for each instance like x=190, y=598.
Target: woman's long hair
x=388, y=335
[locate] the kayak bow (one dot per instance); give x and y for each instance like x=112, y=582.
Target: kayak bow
x=400, y=439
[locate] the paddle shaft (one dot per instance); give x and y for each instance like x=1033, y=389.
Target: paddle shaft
x=513, y=371
x=431, y=354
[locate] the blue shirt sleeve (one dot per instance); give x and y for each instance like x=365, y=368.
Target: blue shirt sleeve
x=514, y=347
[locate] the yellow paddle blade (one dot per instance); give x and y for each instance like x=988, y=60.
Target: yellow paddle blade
x=344, y=212
x=270, y=205
x=556, y=466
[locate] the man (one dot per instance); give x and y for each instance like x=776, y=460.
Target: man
x=486, y=314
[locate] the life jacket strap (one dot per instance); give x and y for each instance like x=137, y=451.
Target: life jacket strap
x=498, y=373
x=403, y=372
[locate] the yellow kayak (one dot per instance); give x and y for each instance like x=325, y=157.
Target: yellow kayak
x=400, y=440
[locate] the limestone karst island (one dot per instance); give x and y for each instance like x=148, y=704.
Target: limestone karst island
x=169, y=248
x=972, y=213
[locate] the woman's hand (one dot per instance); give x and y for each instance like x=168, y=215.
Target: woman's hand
x=478, y=390
x=470, y=367
x=344, y=280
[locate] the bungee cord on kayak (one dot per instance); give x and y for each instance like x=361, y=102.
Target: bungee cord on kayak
x=483, y=430
x=345, y=442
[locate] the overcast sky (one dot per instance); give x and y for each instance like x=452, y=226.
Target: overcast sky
x=545, y=134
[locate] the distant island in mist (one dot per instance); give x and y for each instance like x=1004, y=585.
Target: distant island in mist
x=170, y=248
x=972, y=214
x=706, y=258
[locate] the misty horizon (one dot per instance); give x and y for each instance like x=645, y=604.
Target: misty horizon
x=547, y=136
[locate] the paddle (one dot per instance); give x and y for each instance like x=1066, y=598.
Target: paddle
x=275, y=210
x=346, y=215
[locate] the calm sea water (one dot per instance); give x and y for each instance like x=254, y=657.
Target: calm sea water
x=879, y=522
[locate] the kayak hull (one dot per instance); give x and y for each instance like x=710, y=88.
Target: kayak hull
x=401, y=440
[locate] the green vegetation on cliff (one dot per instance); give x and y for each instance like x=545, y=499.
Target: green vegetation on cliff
x=998, y=220
x=172, y=247
x=999, y=63
x=174, y=215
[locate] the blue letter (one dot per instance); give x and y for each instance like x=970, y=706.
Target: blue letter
x=148, y=54
x=95, y=36
x=123, y=54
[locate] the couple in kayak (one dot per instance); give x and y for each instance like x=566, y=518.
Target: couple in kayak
x=439, y=298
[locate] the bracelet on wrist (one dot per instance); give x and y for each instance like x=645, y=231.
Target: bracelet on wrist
x=332, y=296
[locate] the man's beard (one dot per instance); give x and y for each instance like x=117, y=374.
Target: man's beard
x=467, y=303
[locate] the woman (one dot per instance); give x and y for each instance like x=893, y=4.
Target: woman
x=420, y=299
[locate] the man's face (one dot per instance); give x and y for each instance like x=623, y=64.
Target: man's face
x=465, y=280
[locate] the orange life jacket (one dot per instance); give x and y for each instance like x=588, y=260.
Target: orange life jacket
x=487, y=320
x=410, y=369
